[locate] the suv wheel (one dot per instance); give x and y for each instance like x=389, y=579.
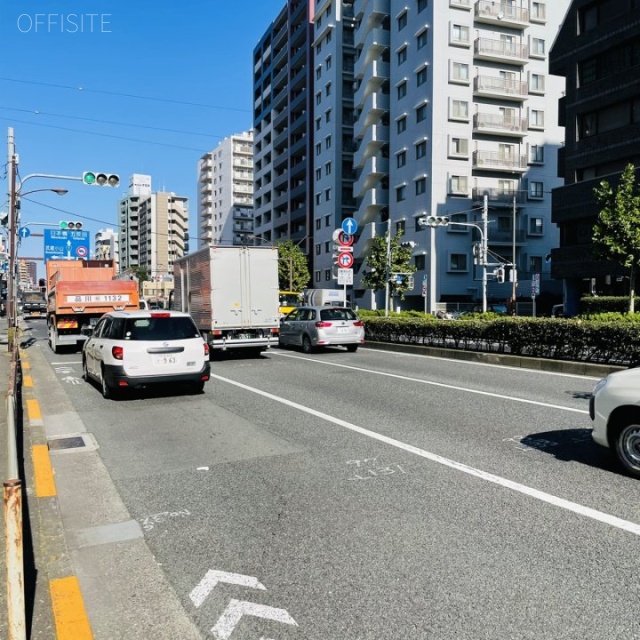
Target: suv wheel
x=107, y=390
x=85, y=371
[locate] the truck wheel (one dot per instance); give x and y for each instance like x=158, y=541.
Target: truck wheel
x=53, y=338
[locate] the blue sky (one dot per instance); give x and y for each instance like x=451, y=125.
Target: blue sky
x=75, y=96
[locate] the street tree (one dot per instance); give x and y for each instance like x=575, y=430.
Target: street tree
x=293, y=269
x=399, y=262
x=616, y=235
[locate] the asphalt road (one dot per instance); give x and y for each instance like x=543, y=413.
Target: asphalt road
x=373, y=495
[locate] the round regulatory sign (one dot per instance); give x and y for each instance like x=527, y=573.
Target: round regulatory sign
x=81, y=251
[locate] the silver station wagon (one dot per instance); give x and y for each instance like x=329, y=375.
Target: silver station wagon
x=313, y=327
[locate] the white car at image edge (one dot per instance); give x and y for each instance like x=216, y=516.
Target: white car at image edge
x=614, y=408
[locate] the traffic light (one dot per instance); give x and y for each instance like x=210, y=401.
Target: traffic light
x=409, y=244
x=500, y=274
x=434, y=221
x=71, y=225
x=94, y=178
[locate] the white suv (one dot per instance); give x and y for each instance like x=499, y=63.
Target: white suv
x=138, y=348
x=614, y=408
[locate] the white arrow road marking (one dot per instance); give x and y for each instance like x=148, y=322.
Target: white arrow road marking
x=208, y=583
x=238, y=608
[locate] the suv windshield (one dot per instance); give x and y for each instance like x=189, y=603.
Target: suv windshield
x=160, y=328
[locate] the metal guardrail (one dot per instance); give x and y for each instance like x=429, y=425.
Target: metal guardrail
x=12, y=485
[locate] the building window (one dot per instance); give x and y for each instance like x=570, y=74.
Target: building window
x=318, y=148
x=420, y=262
x=536, y=226
x=458, y=147
x=318, y=98
x=318, y=199
x=421, y=76
x=401, y=227
x=421, y=186
x=458, y=185
x=327, y=274
x=327, y=115
x=421, y=149
x=536, y=154
x=535, y=264
x=421, y=113
x=459, y=73
x=327, y=142
x=422, y=38
x=326, y=247
x=318, y=224
x=538, y=11
x=402, y=21
x=536, y=83
x=318, y=276
x=318, y=48
x=458, y=262
x=402, y=90
x=422, y=5
x=318, y=249
x=327, y=89
x=401, y=159
x=459, y=35
x=537, y=47
x=327, y=169
x=402, y=124
x=536, y=119
x=536, y=190
x=327, y=220
x=327, y=38
x=327, y=195
x=459, y=110
x=402, y=55
x=401, y=193
x=328, y=63
x=318, y=174
x=318, y=123
x=318, y=73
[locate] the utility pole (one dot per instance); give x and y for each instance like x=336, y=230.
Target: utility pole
x=514, y=271
x=387, y=270
x=11, y=228
x=485, y=249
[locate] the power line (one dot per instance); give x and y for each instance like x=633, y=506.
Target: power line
x=101, y=121
x=125, y=95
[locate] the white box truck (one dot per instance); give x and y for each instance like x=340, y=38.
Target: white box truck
x=232, y=295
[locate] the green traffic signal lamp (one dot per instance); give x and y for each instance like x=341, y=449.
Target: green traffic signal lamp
x=101, y=179
x=72, y=225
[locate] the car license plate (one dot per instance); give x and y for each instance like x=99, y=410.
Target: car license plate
x=163, y=360
x=343, y=329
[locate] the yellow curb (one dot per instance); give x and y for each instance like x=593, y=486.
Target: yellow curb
x=33, y=409
x=25, y=363
x=43, y=471
x=69, y=612
x=27, y=381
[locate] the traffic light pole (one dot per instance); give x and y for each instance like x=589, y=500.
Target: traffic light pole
x=11, y=274
x=387, y=270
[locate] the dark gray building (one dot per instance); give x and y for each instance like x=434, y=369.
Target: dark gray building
x=598, y=52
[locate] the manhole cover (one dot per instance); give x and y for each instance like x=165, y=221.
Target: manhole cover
x=67, y=443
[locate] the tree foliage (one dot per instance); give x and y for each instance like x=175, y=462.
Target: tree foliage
x=293, y=269
x=400, y=262
x=616, y=235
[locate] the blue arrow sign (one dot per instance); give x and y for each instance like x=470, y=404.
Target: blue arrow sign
x=65, y=244
x=349, y=226
x=24, y=232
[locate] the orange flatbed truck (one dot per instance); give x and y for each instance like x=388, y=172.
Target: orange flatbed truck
x=78, y=293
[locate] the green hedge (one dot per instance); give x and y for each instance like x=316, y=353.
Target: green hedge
x=603, y=304
x=602, y=341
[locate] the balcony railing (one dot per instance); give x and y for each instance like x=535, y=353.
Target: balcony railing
x=498, y=161
x=496, y=123
x=495, y=87
x=500, y=50
x=501, y=13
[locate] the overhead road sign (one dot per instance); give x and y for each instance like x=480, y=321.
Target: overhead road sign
x=65, y=244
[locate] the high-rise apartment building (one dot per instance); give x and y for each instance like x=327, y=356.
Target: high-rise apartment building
x=153, y=229
x=225, y=192
x=597, y=52
x=105, y=243
x=418, y=107
x=283, y=89
x=27, y=274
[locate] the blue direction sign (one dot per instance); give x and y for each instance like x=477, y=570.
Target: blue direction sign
x=349, y=226
x=24, y=232
x=65, y=244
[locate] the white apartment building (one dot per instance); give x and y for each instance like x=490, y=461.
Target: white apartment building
x=452, y=102
x=105, y=243
x=225, y=192
x=154, y=229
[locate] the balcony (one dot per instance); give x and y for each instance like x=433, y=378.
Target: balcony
x=500, y=51
x=373, y=139
x=497, y=161
x=374, y=43
x=375, y=106
x=373, y=170
x=375, y=9
x=371, y=204
x=497, y=197
x=504, y=236
x=206, y=176
x=497, y=124
x=243, y=228
x=365, y=242
x=494, y=87
x=501, y=13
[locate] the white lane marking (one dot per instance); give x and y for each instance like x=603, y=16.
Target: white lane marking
x=594, y=514
x=441, y=384
x=238, y=608
x=482, y=364
x=67, y=362
x=213, y=577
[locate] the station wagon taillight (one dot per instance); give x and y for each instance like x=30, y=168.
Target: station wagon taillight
x=117, y=353
x=323, y=324
x=358, y=323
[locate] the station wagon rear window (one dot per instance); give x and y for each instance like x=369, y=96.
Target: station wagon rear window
x=337, y=314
